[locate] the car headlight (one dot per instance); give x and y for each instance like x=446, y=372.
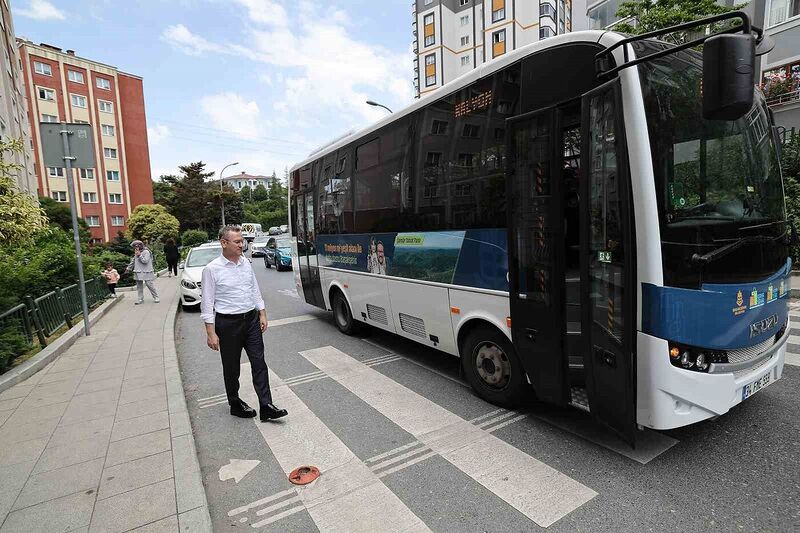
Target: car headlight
x=188, y=284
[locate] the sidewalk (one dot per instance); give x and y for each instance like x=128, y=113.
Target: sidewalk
x=100, y=440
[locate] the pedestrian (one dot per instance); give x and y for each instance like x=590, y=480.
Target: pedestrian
x=143, y=271
x=112, y=277
x=230, y=289
x=171, y=253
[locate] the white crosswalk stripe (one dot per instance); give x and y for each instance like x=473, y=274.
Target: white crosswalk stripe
x=538, y=491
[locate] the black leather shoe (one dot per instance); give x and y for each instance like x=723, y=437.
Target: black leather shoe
x=242, y=410
x=270, y=412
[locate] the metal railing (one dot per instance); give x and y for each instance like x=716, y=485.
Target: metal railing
x=39, y=318
x=786, y=98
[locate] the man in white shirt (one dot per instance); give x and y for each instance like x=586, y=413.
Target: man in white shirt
x=230, y=288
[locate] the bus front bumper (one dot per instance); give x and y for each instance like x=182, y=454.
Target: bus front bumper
x=669, y=397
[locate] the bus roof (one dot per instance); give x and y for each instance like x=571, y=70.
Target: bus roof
x=462, y=81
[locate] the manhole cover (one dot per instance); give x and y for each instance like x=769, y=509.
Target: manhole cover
x=304, y=475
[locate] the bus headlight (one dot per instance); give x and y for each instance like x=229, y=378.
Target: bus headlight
x=693, y=358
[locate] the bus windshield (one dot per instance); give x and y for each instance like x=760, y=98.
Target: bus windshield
x=716, y=181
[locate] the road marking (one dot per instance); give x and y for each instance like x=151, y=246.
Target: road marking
x=535, y=489
x=291, y=320
x=421, y=365
x=348, y=496
x=237, y=469
x=792, y=359
x=289, y=292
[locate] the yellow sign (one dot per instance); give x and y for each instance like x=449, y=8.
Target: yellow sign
x=740, y=307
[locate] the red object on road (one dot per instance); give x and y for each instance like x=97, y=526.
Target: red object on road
x=304, y=475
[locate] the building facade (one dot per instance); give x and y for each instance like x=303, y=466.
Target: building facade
x=452, y=37
x=13, y=107
x=63, y=87
x=780, y=68
x=239, y=181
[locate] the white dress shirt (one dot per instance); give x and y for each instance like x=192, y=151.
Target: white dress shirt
x=229, y=288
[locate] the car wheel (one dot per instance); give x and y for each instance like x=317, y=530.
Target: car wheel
x=492, y=368
x=266, y=262
x=342, y=315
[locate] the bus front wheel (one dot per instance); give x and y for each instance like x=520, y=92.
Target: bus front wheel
x=492, y=368
x=342, y=315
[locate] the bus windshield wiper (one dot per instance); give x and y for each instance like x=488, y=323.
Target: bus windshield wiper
x=722, y=251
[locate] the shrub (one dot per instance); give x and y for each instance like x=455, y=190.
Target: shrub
x=193, y=237
x=12, y=345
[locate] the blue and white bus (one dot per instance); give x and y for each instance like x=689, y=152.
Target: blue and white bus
x=568, y=220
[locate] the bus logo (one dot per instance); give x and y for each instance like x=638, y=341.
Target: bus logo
x=739, y=298
x=763, y=326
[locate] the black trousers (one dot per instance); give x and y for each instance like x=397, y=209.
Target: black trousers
x=235, y=333
x=172, y=266
x=112, y=288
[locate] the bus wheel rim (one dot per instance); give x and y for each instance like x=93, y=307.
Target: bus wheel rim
x=492, y=365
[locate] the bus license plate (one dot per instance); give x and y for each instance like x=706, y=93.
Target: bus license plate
x=752, y=388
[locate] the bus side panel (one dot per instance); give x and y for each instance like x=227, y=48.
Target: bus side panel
x=425, y=310
x=489, y=307
x=368, y=296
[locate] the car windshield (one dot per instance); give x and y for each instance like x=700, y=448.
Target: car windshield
x=261, y=239
x=202, y=256
x=283, y=244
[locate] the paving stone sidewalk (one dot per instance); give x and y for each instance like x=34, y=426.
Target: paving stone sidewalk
x=100, y=440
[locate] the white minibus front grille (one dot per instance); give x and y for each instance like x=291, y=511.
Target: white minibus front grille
x=751, y=352
x=377, y=314
x=413, y=325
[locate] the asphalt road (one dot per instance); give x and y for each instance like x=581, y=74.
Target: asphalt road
x=404, y=445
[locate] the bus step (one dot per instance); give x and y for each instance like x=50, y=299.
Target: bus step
x=579, y=398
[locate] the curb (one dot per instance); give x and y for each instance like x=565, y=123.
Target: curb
x=193, y=513
x=52, y=351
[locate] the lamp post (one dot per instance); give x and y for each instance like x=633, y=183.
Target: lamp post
x=221, y=199
x=376, y=104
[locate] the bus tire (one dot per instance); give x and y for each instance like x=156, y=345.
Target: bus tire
x=491, y=366
x=342, y=315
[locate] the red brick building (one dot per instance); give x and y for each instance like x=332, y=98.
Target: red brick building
x=64, y=87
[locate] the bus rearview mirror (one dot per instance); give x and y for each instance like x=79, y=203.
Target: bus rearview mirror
x=728, y=76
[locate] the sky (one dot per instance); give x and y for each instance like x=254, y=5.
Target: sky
x=258, y=82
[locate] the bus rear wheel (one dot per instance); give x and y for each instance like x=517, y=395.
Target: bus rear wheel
x=492, y=368
x=342, y=315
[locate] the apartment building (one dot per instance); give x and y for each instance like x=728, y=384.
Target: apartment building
x=62, y=86
x=452, y=37
x=781, y=21
x=13, y=108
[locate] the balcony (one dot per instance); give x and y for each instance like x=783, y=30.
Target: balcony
x=783, y=99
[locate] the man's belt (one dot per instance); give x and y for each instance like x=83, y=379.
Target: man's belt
x=239, y=316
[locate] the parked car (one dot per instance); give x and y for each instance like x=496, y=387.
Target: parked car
x=278, y=253
x=284, y=228
x=258, y=246
x=192, y=273
x=250, y=230
x=274, y=230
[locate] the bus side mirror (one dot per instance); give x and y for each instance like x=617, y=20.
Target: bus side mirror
x=728, y=76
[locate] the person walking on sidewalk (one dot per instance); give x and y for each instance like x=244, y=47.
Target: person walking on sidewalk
x=112, y=277
x=143, y=271
x=230, y=289
x=171, y=253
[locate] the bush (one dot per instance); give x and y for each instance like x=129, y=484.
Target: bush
x=12, y=345
x=193, y=237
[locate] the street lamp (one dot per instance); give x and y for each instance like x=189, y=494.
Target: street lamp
x=221, y=199
x=376, y=104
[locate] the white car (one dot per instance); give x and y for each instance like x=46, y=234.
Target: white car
x=258, y=246
x=192, y=273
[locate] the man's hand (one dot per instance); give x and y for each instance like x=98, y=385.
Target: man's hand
x=262, y=318
x=213, y=341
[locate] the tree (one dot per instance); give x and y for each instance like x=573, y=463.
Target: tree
x=193, y=199
x=650, y=15
x=61, y=215
x=163, y=191
x=193, y=237
x=20, y=216
x=260, y=193
x=152, y=223
x=246, y=193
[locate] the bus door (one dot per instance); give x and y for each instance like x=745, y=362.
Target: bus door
x=312, y=286
x=608, y=269
x=536, y=251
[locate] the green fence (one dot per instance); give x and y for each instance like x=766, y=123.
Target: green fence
x=38, y=318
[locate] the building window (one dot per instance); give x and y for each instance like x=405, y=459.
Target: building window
x=115, y=198
x=504, y=107
x=93, y=221
x=464, y=61
x=463, y=2
x=90, y=197
x=42, y=68
x=465, y=40
x=78, y=100
x=110, y=153
x=103, y=83
x=428, y=2
x=465, y=160
x=439, y=127
x=498, y=43
x=463, y=189
x=430, y=70
x=74, y=76
x=432, y=159
x=106, y=107
x=545, y=32
x=471, y=131
x=465, y=20
x=117, y=221
x=112, y=175
x=55, y=172
x=498, y=10
x=87, y=173
x=782, y=10
x=76, y=121
x=59, y=196
x=47, y=94
x=547, y=10
x=49, y=118
x=430, y=30
x=108, y=131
